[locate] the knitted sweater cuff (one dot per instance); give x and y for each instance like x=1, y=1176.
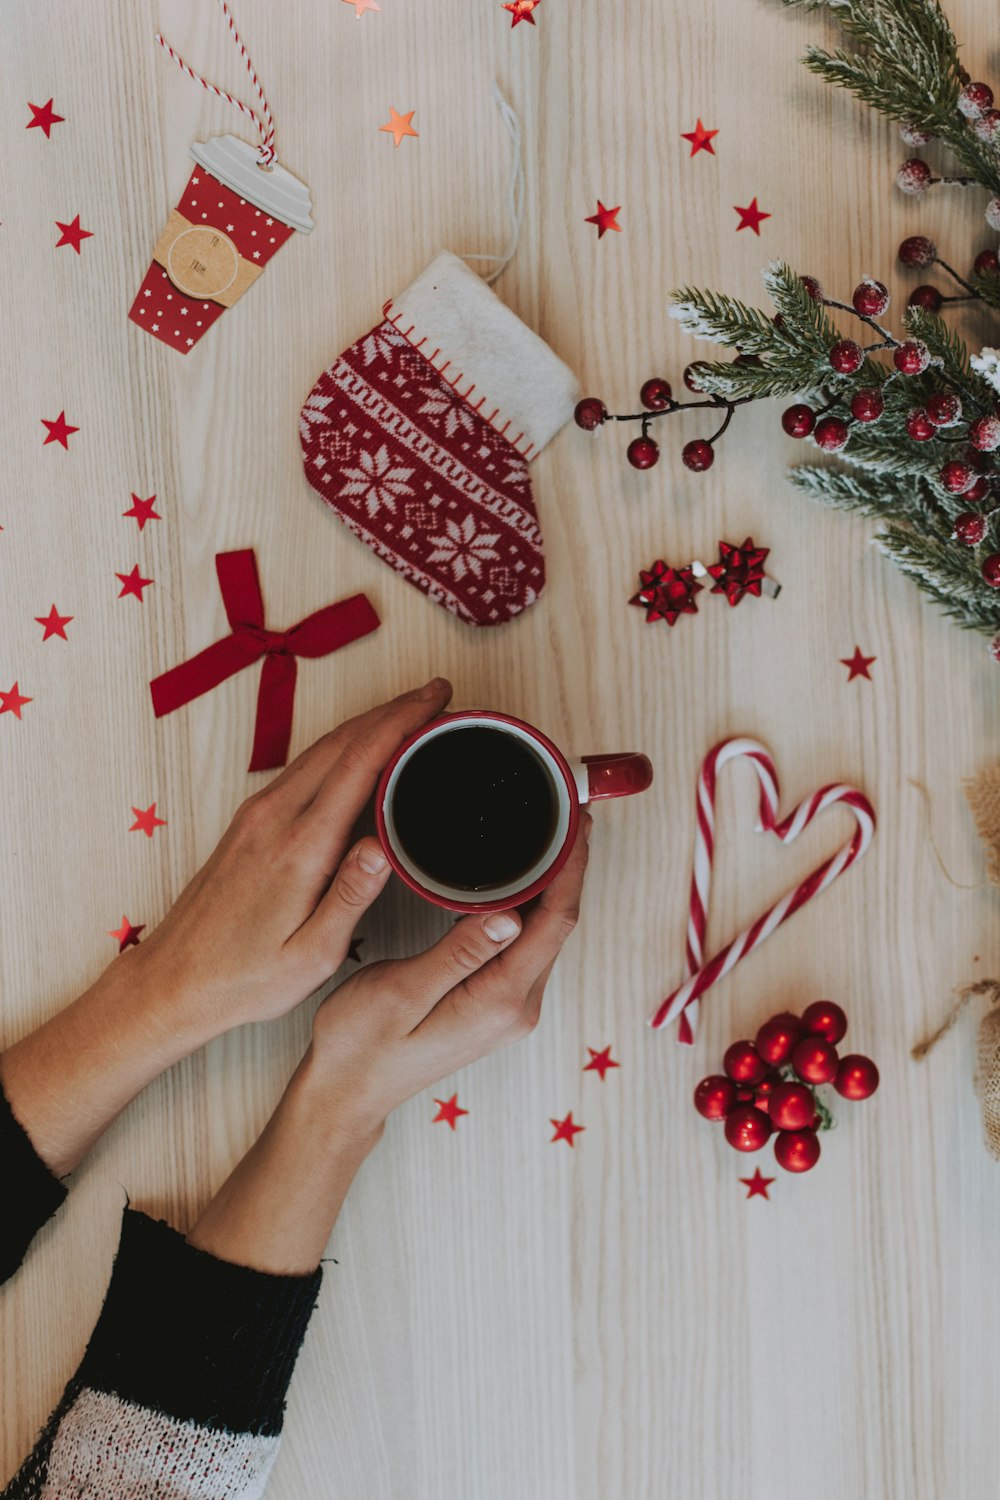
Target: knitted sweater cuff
x=31, y=1194
x=194, y=1337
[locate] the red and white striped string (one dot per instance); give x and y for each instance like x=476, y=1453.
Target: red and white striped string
x=683, y=1002
x=263, y=121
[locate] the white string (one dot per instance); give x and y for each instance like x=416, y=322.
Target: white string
x=515, y=190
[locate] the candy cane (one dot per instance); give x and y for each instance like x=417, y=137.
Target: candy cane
x=265, y=126
x=683, y=1001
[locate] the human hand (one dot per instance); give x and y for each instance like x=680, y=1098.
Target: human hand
x=396, y=1027
x=270, y=916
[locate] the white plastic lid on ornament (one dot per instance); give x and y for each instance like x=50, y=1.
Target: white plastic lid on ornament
x=273, y=190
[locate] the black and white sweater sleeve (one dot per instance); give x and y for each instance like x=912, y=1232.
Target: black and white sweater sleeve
x=29, y=1193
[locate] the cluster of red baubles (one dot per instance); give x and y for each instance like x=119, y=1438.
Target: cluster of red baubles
x=769, y=1084
x=657, y=397
x=975, y=102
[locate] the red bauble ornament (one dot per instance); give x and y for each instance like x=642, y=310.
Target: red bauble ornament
x=798, y=420
x=744, y=1064
x=913, y=176
x=978, y=491
x=792, y=1107
x=986, y=263
x=945, y=409
x=867, y=405
x=777, y=1037
x=797, y=1150
x=747, y=1128
x=656, y=394
x=925, y=296
x=690, y=375
x=919, y=425
x=824, y=1018
x=831, y=433
x=813, y=287
x=642, y=453
x=815, y=1060
x=590, y=413
x=957, y=476
x=715, y=1097
x=698, y=455
x=846, y=357
x=870, y=299
x=984, y=433
x=918, y=250
x=857, y=1077
x=991, y=570
x=975, y=99
x=911, y=357
x=970, y=528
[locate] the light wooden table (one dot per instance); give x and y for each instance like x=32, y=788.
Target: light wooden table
x=509, y=1318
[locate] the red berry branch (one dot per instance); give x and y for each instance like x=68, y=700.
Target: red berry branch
x=657, y=398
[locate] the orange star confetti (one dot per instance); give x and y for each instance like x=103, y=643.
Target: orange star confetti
x=448, y=1110
x=757, y=1185
x=858, y=665
x=399, y=126
x=751, y=217
x=521, y=11
x=127, y=935
x=360, y=6
x=700, y=138
x=53, y=623
x=73, y=234
x=600, y=1062
x=142, y=511
x=146, y=820
x=605, y=219
x=565, y=1129
x=13, y=701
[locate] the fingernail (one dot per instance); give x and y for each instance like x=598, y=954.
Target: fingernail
x=372, y=860
x=500, y=927
x=433, y=688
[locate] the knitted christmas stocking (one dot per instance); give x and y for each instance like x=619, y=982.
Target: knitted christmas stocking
x=419, y=437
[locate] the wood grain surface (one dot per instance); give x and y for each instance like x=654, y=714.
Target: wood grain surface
x=509, y=1320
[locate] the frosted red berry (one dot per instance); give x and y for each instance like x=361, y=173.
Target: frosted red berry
x=698, y=455
x=791, y=1106
x=986, y=263
x=975, y=99
x=919, y=425
x=590, y=413
x=918, y=250
x=797, y=1150
x=815, y=1060
x=987, y=127
x=991, y=213
x=984, y=433
x=747, y=1128
x=813, y=287
x=926, y=296
x=867, y=405
x=991, y=570
x=798, y=420
x=978, y=491
x=656, y=394
x=831, y=433
x=957, y=476
x=690, y=375
x=826, y=1019
x=913, y=176
x=715, y=1097
x=911, y=357
x=643, y=453
x=857, y=1077
x=846, y=357
x=870, y=298
x=945, y=409
x=915, y=135
x=970, y=528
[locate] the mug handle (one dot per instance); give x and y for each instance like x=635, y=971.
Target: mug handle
x=621, y=775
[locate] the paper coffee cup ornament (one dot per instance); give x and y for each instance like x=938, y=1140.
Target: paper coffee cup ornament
x=238, y=209
x=419, y=438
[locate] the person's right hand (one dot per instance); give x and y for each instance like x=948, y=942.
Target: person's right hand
x=396, y=1027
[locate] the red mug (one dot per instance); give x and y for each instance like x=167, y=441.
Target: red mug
x=590, y=779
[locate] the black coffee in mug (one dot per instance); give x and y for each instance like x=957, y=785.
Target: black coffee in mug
x=474, y=808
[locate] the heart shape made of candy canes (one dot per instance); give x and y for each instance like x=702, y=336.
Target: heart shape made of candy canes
x=683, y=1001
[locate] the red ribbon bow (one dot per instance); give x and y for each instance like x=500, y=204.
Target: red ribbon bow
x=317, y=635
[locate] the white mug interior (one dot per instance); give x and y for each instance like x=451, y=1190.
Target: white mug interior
x=555, y=843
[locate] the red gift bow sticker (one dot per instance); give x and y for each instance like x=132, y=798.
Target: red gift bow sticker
x=317, y=635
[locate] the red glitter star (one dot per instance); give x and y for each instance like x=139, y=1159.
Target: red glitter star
x=751, y=217
x=757, y=1185
x=127, y=935
x=605, y=219
x=43, y=117
x=739, y=571
x=54, y=623
x=13, y=701
x=666, y=593
x=449, y=1111
x=600, y=1062
x=857, y=665
x=59, y=430
x=565, y=1129
x=521, y=11
x=133, y=583
x=700, y=138
x=146, y=820
x=142, y=511
x=73, y=234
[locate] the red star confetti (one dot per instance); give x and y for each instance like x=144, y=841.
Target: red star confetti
x=54, y=623
x=60, y=430
x=700, y=138
x=354, y=950
x=448, y=1110
x=757, y=1185
x=605, y=219
x=73, y=234
x=857, y=665
x=739, y=571
x=142, y=511
x=666, y=593
x=751, y=217
x=127, y=935
x=565, y=1129
x=146, y=820
x=133, y=583
x=360, y=6
x=13, y=701
x=43, y=117
x=521, y=11
x=399, y=126
x=600, y=1062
